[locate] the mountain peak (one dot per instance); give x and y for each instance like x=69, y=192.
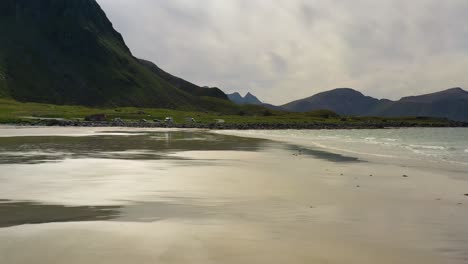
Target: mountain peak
x=249, y=98
x=449, y=94
x=345, y=91
x=456, y=89
x=340, y=100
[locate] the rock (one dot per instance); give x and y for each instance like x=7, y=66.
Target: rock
x=96, y=118
x=405, y=176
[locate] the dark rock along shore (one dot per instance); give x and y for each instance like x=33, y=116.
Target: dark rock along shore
x=247, y=126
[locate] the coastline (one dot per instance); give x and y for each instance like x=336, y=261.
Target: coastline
x=241, y=126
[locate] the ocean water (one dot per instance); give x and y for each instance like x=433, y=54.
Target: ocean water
x=433, y=145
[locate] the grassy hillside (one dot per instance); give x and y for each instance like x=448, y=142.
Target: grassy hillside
x=67, y=52
x=16, y=112
x=183, y=84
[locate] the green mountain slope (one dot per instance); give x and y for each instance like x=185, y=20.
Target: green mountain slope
x=67, y=52
x=183, y=84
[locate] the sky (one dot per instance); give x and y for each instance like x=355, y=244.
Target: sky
x=283, y=50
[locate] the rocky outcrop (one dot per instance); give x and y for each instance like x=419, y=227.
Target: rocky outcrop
x=96, y=118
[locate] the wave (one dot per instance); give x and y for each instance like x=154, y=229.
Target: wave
x=408, y=147
x=428, y=147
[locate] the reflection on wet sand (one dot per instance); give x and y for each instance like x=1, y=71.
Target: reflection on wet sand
x=320, y=154
x=129, y=145
x=194, y=197
x=20, y=213
x=136, y=146
x=118, y=145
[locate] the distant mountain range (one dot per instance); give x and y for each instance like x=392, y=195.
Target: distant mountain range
x=67, y=52
x=451, y=103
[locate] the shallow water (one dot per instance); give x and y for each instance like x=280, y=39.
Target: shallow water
x=116, y=145
x=189, y=196
x=429, y=145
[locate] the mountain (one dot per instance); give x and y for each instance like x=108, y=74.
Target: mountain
x=343, y=101
x=251, y=99
x=67, y=52
x=236, y=98
x=451, y=103
x=183, y=84
x=450, y=94
x=247, y=99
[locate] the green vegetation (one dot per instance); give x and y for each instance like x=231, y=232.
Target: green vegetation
x=67, y=52
x=16, y=112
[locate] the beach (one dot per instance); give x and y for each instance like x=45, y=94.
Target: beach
x=133, y=195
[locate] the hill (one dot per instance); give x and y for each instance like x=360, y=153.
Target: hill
x=67, y=52
x=451, y=103
x=344, y=101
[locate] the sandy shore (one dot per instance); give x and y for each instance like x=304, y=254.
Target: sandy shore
x=273, y=204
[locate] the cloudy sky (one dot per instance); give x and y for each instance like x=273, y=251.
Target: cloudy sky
x=283, y=50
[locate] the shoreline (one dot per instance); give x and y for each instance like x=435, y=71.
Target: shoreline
x=246, y=126
x=361, y=154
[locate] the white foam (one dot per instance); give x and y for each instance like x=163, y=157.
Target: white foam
x=405, y=145
x=428, y=147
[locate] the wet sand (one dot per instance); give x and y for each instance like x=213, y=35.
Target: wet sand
x=194, y=197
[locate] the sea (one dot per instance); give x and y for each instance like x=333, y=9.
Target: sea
x=428, y=145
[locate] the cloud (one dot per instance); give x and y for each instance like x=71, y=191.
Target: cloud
x=285, y=50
